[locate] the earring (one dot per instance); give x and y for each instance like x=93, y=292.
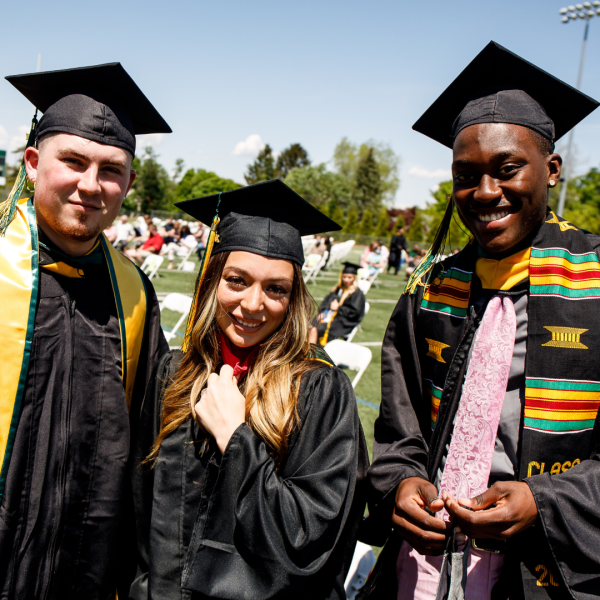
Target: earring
x=27, y=185
x=552, y=183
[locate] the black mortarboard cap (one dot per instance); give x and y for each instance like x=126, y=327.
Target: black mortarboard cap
x=101, y=103
x=267, y=218
x=500, y=87
x=351, y=268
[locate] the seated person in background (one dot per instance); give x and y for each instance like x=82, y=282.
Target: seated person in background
x=186, y=243
x=152, y=245
x=415, y=261
x=377, y=258
x=167, y=231
x=319, y=246
x=111, y=233
x=364, y=259
x=341, y=310
x=125, y=233
x=201, y=236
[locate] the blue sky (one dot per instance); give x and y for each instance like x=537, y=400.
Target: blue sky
x=308, y=72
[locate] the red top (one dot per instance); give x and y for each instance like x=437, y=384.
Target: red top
x=234, y=356
x=154, y=241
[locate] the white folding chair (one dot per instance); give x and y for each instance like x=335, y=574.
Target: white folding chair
x=313, y=265
x=364, y=285
x=151, y=264
x=186, y=257
x=363, y=562
x=180, y=303
x=351, y=335
x=350, y=356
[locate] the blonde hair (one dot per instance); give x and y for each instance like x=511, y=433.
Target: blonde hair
x=345, y=291
x=272, y=385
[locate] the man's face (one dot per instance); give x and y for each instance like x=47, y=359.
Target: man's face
x=79, y=185
x=500, y=183
x=124, y=219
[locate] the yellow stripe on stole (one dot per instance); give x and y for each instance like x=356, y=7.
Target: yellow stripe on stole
x=130, y=295
x=16, y=286
x=562, y=395
x=560, y=415
x=503, y=274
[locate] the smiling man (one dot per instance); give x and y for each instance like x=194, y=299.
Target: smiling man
x=488, y=430
x=81, y=335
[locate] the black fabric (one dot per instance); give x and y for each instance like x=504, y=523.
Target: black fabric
x=231, y=525
x=505, y=106
x=348, y=315
x=565, y=539
x=351, y=268
x=500, y=87
x=101, y=103
x=67, y=513
x=267, y=218
x=397, y=244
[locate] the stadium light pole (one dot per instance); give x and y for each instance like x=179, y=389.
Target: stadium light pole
x=584, y=11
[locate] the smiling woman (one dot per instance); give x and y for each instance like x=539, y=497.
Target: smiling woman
x=258, y=415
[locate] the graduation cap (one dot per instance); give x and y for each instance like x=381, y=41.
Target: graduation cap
x=101, y=103
x=500, y=87
x=350, y=268
x=266, y=218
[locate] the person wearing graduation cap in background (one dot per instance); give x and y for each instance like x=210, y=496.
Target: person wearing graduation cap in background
x=80, y=334
x=341, y=310
x=253, y=486
x=486, y=445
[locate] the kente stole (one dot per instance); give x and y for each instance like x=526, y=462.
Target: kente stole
x=562, y=365
x=19, y=283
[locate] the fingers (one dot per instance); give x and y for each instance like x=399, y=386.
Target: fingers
x=226, y=372
x=483, y=501
x=424, y=542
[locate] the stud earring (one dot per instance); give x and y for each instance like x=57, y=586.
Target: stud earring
x=552, y=183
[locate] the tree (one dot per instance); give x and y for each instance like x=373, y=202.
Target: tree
x=382, y=229
x=337, y=214
x=458, y=233
x=347, y=157
x=366, y=223
x=321, y=187
x=351, y=225
x=178, y=170
x=400, y=222
x=263, y=168
x=417, y=228
x=152, y=188
x=367, y=184
x=199, y=182
x=293, y=157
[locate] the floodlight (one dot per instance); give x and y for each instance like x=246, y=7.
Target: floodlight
x=573, y=16
x=571, y=7
x=587, y=5
x=596, y=3
x=590, y=14
x=563, y=11
x=579, y=6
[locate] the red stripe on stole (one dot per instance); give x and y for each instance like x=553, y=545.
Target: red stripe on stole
x=558, y=405
x=447, y=290
x=548, y=270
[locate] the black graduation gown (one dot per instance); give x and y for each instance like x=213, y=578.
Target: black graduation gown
x=231, y=525
x=348, y=316
x=66, y=511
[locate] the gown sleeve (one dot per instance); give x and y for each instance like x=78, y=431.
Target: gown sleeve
x=268, y=531
x=399, y=447
x=142, y=476
x=569, y=513
x=154, y=348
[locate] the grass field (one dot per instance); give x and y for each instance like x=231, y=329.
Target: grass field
x=382, y=300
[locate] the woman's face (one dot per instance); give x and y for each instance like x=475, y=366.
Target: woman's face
x=254, y=294
x=348, y=279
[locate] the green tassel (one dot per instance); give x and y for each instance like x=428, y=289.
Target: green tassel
x=9, y=206
x=434, y=253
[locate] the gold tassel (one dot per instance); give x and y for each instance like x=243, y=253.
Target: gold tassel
x=213, y=237
x=431, y=258
x=9, y=206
